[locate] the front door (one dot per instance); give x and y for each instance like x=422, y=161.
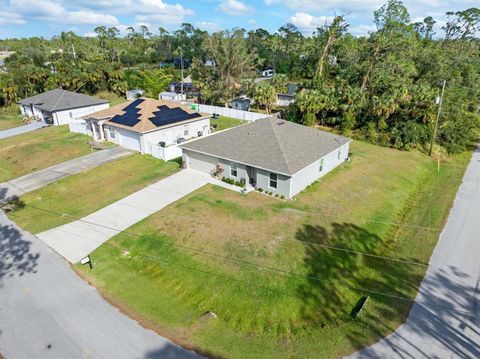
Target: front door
x=251, y=176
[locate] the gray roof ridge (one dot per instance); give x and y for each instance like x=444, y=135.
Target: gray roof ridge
x=272, y=122
x=59, y=98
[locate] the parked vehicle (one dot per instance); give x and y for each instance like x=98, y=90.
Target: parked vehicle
x=268, y=73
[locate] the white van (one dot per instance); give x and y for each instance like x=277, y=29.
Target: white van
x=268, y=73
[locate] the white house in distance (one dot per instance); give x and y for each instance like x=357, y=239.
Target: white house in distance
x=148, y=126
x=272, y=154
x=60, y=107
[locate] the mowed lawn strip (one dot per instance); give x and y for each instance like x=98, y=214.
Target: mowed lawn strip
x=215, y=249
x=10, y=117
x=84, y=193
x=223, y=123
x=39, y=149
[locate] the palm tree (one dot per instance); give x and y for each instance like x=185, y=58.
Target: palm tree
x=265, y=94
x=308, y=103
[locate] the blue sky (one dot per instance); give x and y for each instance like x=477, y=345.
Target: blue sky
x=24, y=18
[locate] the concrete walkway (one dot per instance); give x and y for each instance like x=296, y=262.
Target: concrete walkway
x=38, y=179
x=77, y=239
x=22, y=129
x=445, y=320
x=47, y=311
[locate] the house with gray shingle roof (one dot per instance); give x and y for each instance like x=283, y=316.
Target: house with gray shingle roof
x=272, y=154
x=60, y=107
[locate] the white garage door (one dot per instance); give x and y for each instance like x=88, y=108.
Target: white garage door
x=130, y=140
x=200, y=162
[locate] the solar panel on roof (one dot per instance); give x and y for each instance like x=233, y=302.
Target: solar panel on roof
x=131, y=116
x=167, y=115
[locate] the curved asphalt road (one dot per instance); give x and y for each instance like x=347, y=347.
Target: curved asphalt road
x=47, y=311
x=447, y=322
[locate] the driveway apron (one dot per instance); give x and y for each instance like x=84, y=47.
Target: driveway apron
x=77, y=239
x=21, y=129
x=41, y=178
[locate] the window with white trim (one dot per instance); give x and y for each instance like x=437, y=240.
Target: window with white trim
x=321, y=166
x=112, y=132
x=71, y=115
x=185, y=131
x=233, y=169
x=273, y=180
x=339, y=154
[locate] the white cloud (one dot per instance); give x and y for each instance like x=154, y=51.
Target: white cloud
x=208, y=26
x=235, y=7
x=308, y=23
x=54, y=11
x=10, y=18
x=91, y=12
x=361, y=30
x=323, y=5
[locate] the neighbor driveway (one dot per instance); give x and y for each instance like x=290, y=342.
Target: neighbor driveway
x=47, y=311
x=22, y=129
x=444, y=321
x=38, y=179
x=77, y=239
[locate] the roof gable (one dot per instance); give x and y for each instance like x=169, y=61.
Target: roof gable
x=272, y=144
x=59, y=99
x=146, y=114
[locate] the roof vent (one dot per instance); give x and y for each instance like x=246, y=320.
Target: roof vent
x=281, y=123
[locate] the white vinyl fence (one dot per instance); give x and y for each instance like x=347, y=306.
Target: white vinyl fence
x=166, y=153
x=78, y=126
x=229, y=112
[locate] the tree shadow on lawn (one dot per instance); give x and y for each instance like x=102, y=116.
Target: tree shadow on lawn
x=336, y=279
x=16, y=256
x=450, y=321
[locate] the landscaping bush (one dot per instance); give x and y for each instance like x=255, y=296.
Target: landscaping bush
x=243, y=182
x=260, y=190
x=282, y=196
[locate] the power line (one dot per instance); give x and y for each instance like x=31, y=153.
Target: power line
x=272, y=269
x=244, y=262
x=346, y=250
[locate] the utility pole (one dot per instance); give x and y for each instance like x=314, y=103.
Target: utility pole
x=181, y=66
x=440, y=100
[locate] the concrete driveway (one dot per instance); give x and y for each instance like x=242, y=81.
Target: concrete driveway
x=38, y=179
x=22, y=129
x=445, y=320
x=77, y=239
x=47, y=311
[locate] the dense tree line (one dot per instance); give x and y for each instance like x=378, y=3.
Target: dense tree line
x=381, y=87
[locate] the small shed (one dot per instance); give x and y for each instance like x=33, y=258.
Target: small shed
x=171, y=96
x=134, y=94
x=241, y=103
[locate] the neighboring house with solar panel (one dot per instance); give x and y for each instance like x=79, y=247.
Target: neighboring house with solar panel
x=275, y=155
x=60, y=107
x=148, y=126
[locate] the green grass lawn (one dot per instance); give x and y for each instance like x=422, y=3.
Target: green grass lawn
x=35, y=150
x=10, y=117
x=117, y=100
x=225, y=122
x=215, y=249
x=84, y=193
